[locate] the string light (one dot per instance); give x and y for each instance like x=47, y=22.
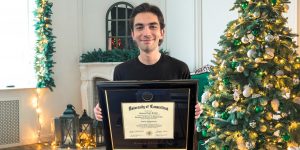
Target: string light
x=35, y=104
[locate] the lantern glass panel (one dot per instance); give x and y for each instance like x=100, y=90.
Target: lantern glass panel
x=68, y=132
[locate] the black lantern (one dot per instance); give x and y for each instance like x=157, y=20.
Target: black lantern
x=86, y=131
x=98, y=133
x=69, y=122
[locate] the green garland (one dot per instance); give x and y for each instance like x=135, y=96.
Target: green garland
x=44, y=45
x=115, y=55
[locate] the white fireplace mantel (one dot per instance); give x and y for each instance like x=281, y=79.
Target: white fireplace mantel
x=90, y=71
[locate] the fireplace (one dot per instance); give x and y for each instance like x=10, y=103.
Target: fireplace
x=91, y=73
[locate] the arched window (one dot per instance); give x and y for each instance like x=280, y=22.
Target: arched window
x=118, y=34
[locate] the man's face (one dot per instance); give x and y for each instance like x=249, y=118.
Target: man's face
x=147, y=32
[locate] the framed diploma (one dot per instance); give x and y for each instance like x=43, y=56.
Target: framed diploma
x=148, y=114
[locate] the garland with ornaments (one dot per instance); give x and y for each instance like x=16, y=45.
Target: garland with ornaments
x=253, y=97
x=44, y=49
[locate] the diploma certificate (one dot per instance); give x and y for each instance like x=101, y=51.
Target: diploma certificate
x=148, y=114
x=148, y=120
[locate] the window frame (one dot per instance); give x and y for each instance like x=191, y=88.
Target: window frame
x=127, y=27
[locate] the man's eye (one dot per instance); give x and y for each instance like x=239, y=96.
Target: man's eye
x=153, y=27
x=139, y=28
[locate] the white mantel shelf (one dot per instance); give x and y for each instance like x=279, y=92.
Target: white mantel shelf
x=90, y=71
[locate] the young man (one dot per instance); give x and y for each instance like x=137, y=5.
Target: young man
x=147, y=30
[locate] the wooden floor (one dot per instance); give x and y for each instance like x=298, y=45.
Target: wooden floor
x=43, y=146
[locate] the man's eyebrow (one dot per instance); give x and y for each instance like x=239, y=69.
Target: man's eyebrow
x=153, y=23
x=140, y=24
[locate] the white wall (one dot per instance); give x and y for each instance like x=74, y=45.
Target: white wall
x=180, y=33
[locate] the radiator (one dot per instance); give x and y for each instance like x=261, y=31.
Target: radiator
x=9, y=121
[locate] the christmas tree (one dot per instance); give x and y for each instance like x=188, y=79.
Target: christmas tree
x=253, y=97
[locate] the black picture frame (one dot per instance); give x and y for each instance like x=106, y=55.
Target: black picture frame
x=181, y=94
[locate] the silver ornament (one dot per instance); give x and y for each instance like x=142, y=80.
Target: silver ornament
x=296, y=81
x=240, y=68
x=250, y=37
x=247, y=91
x=269, y=38
x=269, y=86
x=250, y=145
x=234, y=122
x=245, y=40
x=252, y=124
x=279, y=73
x=256, y=14
x=251, y=53
x=236, y=36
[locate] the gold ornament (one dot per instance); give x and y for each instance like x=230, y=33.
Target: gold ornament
x=215, y=104
x=253, y=135
x=263, y=128
x=263, y=102
x=269, y=54
x=275, y=104
x=269, y=116
x=285, y=8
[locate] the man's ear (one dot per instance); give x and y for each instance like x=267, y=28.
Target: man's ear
x=162, y=32
x=132, y=34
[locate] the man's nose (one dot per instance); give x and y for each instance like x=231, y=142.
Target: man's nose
x=146, y=31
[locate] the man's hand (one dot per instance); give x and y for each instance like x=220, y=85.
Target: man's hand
x=98, y=112
x=198, y=110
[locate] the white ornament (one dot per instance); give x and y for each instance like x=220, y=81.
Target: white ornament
x=286, y=93
x=247, y=91
x=269, y=86
x=234, y=122
x=236, y=36
x=221, y=87
x=276, y=117
x=256, y=14
x=252, y=124
x=205, y=96
x=215, y=104
x=275, y=105
x=279, y=73
x=277, y=133
x=250, y=145
x=295, y=81
x=256, y=95
x=269, y=38
x=245, y=40
x=240, y=68
x=251, y=53
x=250, y=37
x=236, y=94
